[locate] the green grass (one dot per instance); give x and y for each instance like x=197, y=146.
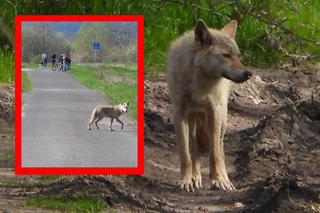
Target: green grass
x=30, y=65
x=7, y=157
x=81, y=204
x=121, y=71
x=255, y=38
x=50, y=178
x=26, y=82
x=6, y=67
x=34, y=181
x=114, y=92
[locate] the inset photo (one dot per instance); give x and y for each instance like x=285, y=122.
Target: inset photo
x=79, y=95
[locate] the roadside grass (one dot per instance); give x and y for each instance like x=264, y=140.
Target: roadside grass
x=120, y=71
x=50, y=178
x=114, y=91
x=68, y=204
x=33, y=181
x=30, y=65
x=7, y=157
x=6, y=67
x=26, y=82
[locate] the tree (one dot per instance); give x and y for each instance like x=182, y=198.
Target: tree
x=89, y=33
x=39, y=39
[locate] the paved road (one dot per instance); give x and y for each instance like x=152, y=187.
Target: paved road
x=54, y=127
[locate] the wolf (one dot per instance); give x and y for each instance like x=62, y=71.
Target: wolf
x=113, y=112
x=201, y=65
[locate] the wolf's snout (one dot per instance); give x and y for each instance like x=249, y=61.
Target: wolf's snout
x=247, y=74
x=237, y=77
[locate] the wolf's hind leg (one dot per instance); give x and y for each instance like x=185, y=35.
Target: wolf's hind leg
x=91, y=119
x=96, y=121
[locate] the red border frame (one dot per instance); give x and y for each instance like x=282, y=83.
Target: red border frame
x=19, y=170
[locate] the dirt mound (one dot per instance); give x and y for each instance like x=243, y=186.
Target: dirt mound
x=158, y=113
x=7, y=102
x=6, y=125
x=272, y=145
x=285, y=142
x=272, y=148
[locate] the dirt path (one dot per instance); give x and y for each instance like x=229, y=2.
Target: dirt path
x=272, y=146
x=272, y=150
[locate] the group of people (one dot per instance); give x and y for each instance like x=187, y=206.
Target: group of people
x=63, y=62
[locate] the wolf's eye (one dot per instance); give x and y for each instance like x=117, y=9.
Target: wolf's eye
x=226, y=55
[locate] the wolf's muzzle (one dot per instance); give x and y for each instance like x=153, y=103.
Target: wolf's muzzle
x=238, y=77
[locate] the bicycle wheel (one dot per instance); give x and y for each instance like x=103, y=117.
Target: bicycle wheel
x=55, y=66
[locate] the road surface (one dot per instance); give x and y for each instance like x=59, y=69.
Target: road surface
x=54, y=127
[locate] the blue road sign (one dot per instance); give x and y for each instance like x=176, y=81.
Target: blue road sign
x=96, y=45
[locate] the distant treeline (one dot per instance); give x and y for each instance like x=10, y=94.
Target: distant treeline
x=116, y=46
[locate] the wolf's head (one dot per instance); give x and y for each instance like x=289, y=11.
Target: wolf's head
x=125, y=107
x=218, y=54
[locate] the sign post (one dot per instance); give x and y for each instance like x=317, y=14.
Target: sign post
x=96, y=46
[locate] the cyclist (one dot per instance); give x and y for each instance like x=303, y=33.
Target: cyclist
x=68, y=61
x=62, y=60
x=53, y=59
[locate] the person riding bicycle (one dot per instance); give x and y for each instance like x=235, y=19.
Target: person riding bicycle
x=68, y=61
x=62, y=60
x=53, y=59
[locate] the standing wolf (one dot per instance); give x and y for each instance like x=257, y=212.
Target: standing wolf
x=113, y=112
x=200, y=67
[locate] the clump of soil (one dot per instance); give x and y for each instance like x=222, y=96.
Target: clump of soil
x=6, y=125
x=7, y=102
x=159, y=128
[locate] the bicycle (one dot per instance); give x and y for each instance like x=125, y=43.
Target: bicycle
x=55, y=66
x=63, y=66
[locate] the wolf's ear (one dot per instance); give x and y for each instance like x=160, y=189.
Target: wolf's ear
x=128, y=103
x=230, y=29
x=202, y=33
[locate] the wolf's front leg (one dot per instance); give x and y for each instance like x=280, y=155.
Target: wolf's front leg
x=195, y=154
x=218, y=172
x=182, y=134
x=120, y=123
x=110, y=127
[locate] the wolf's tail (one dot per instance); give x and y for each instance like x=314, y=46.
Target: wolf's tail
x=93, y=116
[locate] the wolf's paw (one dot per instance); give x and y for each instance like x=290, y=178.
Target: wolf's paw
x=186, y=184
x=89, y=128
x=197, y=182
x=110, y=129
x=222, y=183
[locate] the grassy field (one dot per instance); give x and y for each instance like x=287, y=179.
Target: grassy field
x=26, y=82
x=30, y=65
x=6, y=67
x=67, y=204
x=258, y=35
x=117, y=84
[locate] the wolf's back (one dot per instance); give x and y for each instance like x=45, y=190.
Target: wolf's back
x=179, y=63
